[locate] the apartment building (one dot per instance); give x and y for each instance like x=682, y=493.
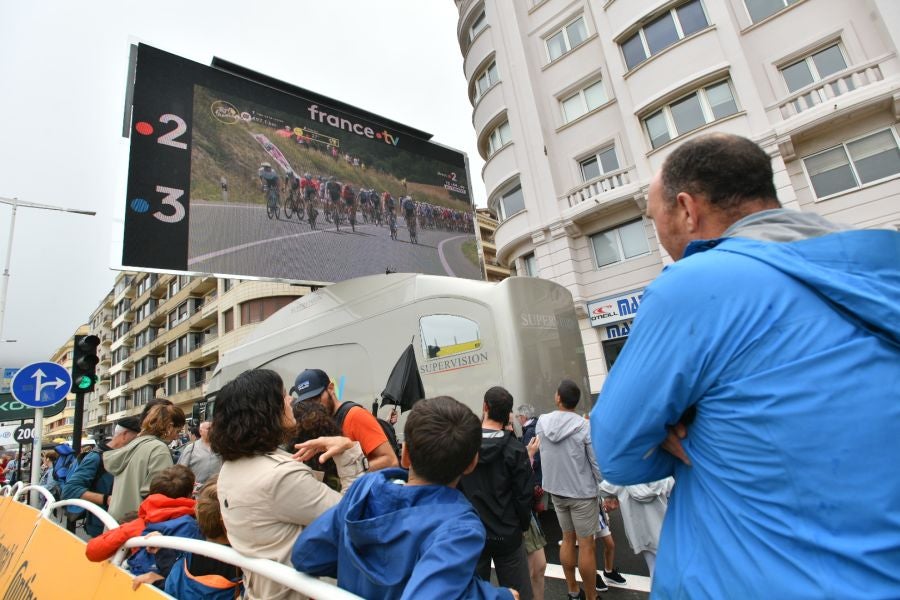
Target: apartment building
x=576, y=103
x=161, y=335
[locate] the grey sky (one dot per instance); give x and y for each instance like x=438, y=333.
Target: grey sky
x=62, y=71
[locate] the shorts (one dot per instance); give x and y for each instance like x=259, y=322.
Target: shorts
x=603, y=525
x=534, y=538
x=577, y=514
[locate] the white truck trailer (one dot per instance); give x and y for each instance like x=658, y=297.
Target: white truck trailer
x=521, y=333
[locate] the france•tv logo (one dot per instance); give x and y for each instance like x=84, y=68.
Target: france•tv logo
x=323, y=117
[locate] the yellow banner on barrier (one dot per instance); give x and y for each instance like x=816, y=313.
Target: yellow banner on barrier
x=51, y=564
x=16, y=527
x=5, y=501
x=116, y=583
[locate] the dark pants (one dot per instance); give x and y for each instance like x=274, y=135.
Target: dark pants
x=511, y=567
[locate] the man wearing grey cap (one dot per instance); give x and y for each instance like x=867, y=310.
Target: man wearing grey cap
x=357, y=423
x=90, y=481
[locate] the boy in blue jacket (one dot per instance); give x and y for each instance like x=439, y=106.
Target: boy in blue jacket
x=399, y=534
x=197, y=576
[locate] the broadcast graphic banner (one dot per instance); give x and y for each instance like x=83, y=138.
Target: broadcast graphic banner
x=228, y=176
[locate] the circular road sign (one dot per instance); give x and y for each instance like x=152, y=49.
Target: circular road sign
x=41, y=384
x=24, y=434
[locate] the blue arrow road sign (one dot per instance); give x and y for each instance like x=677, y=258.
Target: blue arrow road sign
x=41, y=384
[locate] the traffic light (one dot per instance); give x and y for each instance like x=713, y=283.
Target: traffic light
x=84, y=363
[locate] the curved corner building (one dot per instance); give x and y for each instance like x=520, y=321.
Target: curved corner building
x=576, y=104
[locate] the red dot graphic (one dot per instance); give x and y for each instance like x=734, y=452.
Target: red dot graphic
x=378, y=135
x=144, y=128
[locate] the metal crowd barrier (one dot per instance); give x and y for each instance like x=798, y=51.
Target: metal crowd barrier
x=269, y=569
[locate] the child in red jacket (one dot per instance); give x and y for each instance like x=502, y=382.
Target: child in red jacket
x=168, y=510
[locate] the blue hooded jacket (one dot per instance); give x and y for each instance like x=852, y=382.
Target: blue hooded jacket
x=784, y=360
x=143, y=562
x=184, y=585
x=65, y=463
x=388, y=540
x=89, y=476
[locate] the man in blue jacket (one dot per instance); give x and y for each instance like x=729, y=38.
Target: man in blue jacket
x=766, y=364
x=399, y=534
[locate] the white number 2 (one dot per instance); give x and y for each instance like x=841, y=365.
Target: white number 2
x=171, y=199
x=171, y=138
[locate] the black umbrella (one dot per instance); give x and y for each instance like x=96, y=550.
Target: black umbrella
x=404, y=386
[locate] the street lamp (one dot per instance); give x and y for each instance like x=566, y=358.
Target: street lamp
x=4, y=287
x=16, y=203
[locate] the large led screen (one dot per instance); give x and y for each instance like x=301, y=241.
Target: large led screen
x=228, y=176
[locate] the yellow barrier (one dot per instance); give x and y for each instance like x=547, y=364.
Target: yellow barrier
x=40, y=559
x=16, y=526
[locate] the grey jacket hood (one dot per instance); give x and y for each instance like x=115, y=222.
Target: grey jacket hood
x=782, y=225
x=568, y=465
x=560, y=425
x=115, y=461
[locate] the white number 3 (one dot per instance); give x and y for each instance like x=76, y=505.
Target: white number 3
x=171, y=199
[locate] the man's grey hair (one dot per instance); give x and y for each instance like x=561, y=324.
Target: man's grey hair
x=526, y=410
x=118, y=429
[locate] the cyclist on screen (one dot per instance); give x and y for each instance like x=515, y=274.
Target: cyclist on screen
x=270, y=182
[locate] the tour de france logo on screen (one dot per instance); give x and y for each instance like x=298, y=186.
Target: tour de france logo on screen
x=225, y=112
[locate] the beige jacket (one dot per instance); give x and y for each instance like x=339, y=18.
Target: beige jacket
x=266, y=502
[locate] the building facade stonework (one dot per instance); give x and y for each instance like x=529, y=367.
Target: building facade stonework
x=576, y=103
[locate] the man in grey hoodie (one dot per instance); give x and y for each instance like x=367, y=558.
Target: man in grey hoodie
x=571, y=476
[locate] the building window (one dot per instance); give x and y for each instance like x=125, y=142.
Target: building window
x=144, y=394
x=704, y=106
x=499, y=137
x=663, y=31
x=446, y=335
x=620, y=243
x=228, y=320
x=760, y=9
x=119, y=404
x=612, y=349
x=255, y=311
x=227, y=284
x=583, y=101
x=854, y=164
x=478, y=24
x=510, y=203
x=566, y=38
x=486, y=80
x=601, y=163
x=531, y=268
x=816, y=67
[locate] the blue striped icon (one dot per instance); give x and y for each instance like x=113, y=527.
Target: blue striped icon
x=139, y=205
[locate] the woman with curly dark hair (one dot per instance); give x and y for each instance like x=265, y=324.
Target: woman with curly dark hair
x=313, y=421
x=268, y=496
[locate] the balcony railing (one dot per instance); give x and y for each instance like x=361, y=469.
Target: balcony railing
x=599, y=186
x=825, y=90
